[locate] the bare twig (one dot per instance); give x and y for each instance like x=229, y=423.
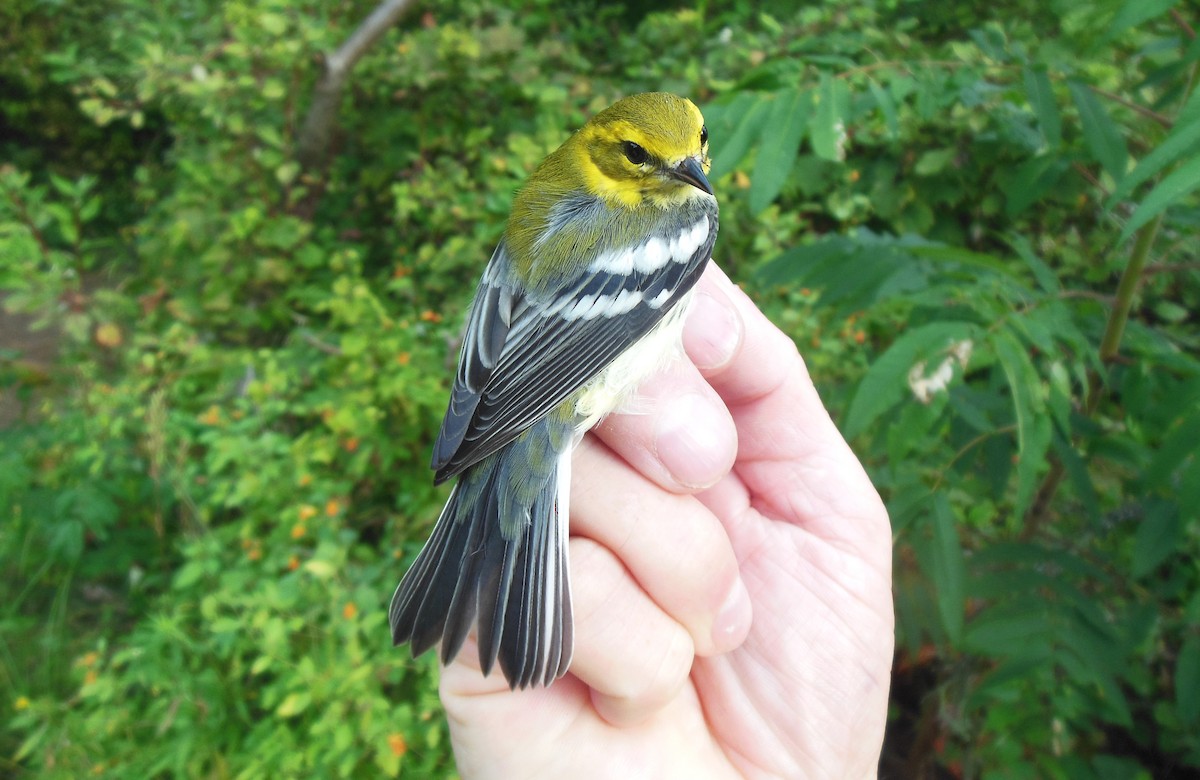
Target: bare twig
x=1171, y=268
x=1108, y=300
x=313, y=143
x=323, y=346
x=1162, y=119
x=1183, y=24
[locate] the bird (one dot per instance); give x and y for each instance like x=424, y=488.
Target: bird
x=583, y=298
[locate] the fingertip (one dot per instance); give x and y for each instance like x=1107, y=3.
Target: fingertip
x=713, y=333
x=695, y=441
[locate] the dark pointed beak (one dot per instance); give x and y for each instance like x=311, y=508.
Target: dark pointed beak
x=692, y=172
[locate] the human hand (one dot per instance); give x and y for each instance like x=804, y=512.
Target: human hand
x=731, y=574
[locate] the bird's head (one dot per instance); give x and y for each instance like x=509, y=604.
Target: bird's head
x=646, y=149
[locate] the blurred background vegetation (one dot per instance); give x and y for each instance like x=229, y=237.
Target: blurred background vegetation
x=979, y=221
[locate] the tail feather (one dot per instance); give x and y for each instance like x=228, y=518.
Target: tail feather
x=516, y=591
x=537, y=651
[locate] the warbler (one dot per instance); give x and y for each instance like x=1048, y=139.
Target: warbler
x=583, y=297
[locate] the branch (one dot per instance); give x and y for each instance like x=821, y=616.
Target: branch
x=313, y=144
x=1179, y=20
x=1162, y=119
x=1171, y=268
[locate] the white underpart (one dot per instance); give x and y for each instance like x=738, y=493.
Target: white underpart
x=613, y=386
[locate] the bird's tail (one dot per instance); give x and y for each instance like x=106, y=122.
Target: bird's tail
x=497, y=558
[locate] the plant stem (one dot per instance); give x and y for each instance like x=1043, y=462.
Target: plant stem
x=1114, y=331
x=1110, y=346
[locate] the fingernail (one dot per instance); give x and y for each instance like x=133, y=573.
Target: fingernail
x=733, y=620
x=694, y=441
x=713, y=332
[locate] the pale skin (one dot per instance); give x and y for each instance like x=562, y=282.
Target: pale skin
x=731, y=566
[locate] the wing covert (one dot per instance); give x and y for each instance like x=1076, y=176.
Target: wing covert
x=523, y=357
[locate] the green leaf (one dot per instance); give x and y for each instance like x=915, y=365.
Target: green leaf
x=886, y=106
x=1078, y=476
x=728, y=152
x=1100, y=133
x=886, y=382
x=949, y=573
x=1157, y=538
x=1045, y=107
x=1187, y=681
x=934, y=161
x=1178, y=444
x=1134, y=12
x=827, y=126
x=779, y=146
x=1191, y=109
x=293, y=704
x=1169, y=191
x=1024, y=635
x=1182, y=140
x=1033, y=424
x=1045, y=277
x=1030, y=182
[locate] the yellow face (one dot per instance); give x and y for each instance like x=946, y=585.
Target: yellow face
x=650, y=148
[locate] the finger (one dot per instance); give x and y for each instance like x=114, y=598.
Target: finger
x=680, y=435
x=791, y=456
x=675, y=549
x=714, y=330
x=633, y=656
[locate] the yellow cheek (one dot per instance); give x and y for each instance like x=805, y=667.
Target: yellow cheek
x=627, y=193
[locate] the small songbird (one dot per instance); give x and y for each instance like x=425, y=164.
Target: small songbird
x=583, y=298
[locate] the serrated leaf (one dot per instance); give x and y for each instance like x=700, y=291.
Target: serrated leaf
x=827, y=125
x=1181, y=141
x=886, y=106
x=1100, y=133
x=1045, y=106
x=779, y=145
x=1168, y=192
x=949, y=573
x=1033, y=425
x=886, y=381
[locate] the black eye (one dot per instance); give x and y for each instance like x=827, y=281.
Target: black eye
x=634, y=153
x=703, y=134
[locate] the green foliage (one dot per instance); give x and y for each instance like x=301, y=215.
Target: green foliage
x=971, y=210
x=979, y=222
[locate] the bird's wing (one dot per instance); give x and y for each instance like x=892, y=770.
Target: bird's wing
x=523, y=357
